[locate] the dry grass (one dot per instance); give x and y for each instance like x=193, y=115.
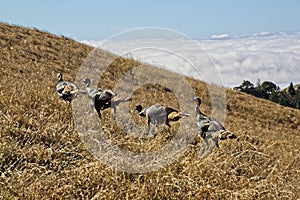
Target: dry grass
x=42, y=156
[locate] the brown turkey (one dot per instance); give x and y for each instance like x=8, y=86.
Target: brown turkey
x=102, y=99
x=66, y=91
x=159, y=114
x=209, y=128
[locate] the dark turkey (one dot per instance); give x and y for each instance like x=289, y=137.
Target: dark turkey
x=159, y=114
x=102, y=99
x=209, y=128
x=66, y=90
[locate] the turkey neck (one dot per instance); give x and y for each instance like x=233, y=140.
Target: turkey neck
x=199, y=114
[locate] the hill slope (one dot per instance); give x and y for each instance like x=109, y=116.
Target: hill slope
x=42, y=157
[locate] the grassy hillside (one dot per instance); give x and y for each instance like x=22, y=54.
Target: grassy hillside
x=42, y=156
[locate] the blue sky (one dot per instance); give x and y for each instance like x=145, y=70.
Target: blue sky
x=96, y=20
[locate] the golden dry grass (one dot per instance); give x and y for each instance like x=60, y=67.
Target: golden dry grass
x=42, y=156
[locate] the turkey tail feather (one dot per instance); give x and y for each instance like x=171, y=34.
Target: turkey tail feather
x=224, y=135
x=184, y=114
x=176, y=116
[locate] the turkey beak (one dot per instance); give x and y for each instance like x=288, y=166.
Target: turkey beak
x=84, y=81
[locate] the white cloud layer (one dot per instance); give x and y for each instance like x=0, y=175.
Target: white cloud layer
x=220, y=37
x=265, y=56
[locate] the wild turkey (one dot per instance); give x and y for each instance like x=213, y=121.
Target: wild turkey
x=159, y=114
x=209, y=128
x=102, y=99
x=66, y=90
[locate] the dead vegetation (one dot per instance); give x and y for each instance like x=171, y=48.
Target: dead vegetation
x=42, y=156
